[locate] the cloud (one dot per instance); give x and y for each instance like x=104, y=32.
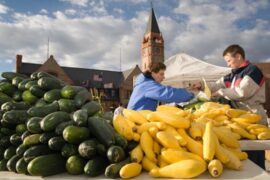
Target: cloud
x=8, y=61
x=70, y=11
x=210, y=28
x=82, y=3
x=90, y=42
x=118, y=10
x=43, y=11
x=3, y=9
x=92, y=38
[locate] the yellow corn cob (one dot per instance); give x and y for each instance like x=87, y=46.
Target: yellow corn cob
x=264, y=135
x=234, y=113
x=192, y=145
x=242, y=132
x=208, y=142
x=147, y=143
x=174, y=120
x=183, y=169
x=173, y=156
x=136, y=155
x=130, y=170
x=148, y=165
x=167, y=140
x=134, y=116
x=215, y=168
x=122, y=127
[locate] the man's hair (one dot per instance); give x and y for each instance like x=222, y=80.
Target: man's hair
x=156, y=67
x=234, y=49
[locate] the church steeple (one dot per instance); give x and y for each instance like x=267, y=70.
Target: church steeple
x=152, y=46
x=152, y=25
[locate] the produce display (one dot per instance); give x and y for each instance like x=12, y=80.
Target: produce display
x=48, y=127
x=184, y=143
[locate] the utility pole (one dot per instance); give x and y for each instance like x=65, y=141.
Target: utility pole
x=48, y=48
x=120, y=60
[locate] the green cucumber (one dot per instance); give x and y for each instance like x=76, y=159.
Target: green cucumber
x=80, y=117
x=56, y=143
x=88, y=149
x=69, y=150
x=75, y=135
x=112, y=171
x=101, y=130
x=52, y=95
x=75, y=164
x=36, y=151
x=47, y=165
x=33, y=125
x=92, y=108
x=44, y=110
x=96, y=166
x=50, y=122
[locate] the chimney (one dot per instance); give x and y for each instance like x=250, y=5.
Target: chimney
x=18, y=62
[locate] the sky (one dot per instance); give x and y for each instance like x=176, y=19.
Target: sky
x=97, y=34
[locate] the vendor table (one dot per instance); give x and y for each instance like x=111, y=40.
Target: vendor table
x=246, y=145
x=249, y=171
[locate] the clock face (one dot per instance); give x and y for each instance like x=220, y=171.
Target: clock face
x=157, y=50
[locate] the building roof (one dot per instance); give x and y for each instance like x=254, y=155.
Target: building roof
x=127, y=72
x=86, y=77
x=152, y=25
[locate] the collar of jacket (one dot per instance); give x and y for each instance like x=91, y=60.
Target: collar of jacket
x=242, y=66
x=148, y=75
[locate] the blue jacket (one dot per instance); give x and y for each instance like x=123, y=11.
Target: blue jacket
x=147, y=92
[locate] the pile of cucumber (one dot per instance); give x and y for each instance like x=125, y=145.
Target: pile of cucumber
x=48, y=127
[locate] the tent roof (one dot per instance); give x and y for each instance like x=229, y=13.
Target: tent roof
x=181, y=67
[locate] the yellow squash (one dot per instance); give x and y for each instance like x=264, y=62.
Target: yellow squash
x=215, y=168
x=148, y=165
x=173, y=156
x=130, y=170
x=136, y=154
x=134, y=116
x=122, y=127
x=147, y=144
x=183, y=169
x=208, y=142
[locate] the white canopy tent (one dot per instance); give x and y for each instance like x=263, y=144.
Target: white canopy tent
x=183, y=68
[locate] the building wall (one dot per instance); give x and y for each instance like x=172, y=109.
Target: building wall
x=265, y=68
x=127, y=87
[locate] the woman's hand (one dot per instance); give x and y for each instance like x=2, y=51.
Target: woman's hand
x=196, y=85
x=216, y=94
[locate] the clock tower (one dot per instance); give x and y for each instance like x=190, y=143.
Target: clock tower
x=152, y=47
